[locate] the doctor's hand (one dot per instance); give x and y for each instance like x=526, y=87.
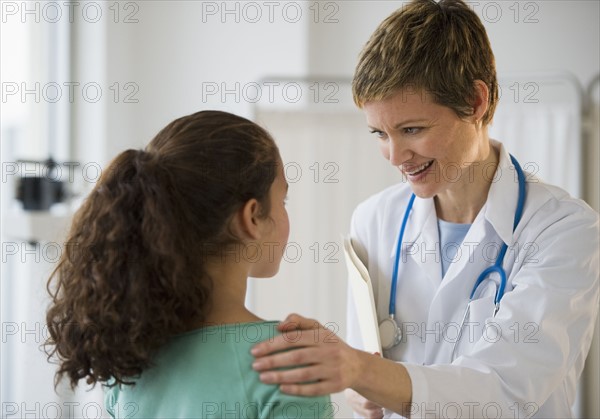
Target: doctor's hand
x=365, y=408
x=323, y=363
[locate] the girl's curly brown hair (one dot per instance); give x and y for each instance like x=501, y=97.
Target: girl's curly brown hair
x=132, y=273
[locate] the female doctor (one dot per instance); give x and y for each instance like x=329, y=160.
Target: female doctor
x=485, y=278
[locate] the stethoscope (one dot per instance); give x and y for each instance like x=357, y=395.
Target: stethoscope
x=390, y=333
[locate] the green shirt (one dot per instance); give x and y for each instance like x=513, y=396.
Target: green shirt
x=207, y=373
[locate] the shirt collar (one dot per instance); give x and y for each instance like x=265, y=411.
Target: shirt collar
x=503, y=196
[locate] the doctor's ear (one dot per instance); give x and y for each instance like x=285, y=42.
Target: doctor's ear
x=480, y=100
x=247, y=221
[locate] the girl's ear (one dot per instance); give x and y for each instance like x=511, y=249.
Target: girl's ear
x=246, y=222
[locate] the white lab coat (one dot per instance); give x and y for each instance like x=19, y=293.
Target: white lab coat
x=525, y=362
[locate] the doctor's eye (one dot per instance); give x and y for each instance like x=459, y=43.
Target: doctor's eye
x=412, y=130
x=379, y=134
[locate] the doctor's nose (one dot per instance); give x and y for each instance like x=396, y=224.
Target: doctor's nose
x=397, y=153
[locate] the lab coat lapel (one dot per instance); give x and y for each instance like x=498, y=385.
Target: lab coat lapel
x=421, y=240
x=493, y=225
x=503, y=197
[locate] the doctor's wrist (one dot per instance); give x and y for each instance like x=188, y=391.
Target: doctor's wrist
x=364, y=368
x=384, y=382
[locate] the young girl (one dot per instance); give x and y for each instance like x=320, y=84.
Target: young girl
x=149, y=296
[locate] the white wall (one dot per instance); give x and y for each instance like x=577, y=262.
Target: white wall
x=179, y=50
x=565, y=36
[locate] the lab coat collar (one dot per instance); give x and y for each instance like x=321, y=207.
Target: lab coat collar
x=502, y=197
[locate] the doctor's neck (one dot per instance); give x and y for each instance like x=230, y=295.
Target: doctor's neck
x=461, y=201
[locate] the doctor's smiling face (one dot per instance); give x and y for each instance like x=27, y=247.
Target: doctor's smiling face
x=429, y=143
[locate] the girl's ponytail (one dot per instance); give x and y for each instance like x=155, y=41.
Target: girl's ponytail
x=123, y=254
x=132, y=274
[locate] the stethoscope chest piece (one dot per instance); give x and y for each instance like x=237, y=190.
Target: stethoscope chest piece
x=389, y=333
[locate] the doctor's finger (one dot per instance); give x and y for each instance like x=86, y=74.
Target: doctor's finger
x=321, y=388
x=297, y=322
x=301, y=375
x=292, y=358
x=293, y=339
x=278, y=343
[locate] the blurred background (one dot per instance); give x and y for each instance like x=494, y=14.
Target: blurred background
x=82, y=81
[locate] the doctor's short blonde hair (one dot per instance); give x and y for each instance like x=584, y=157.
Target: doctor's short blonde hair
x=440, y=47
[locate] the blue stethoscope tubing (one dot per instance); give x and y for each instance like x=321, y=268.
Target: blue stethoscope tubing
x=496, y=267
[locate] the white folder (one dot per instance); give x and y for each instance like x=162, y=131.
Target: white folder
x=363, y=301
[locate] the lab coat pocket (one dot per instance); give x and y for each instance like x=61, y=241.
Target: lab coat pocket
x=475, y=327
